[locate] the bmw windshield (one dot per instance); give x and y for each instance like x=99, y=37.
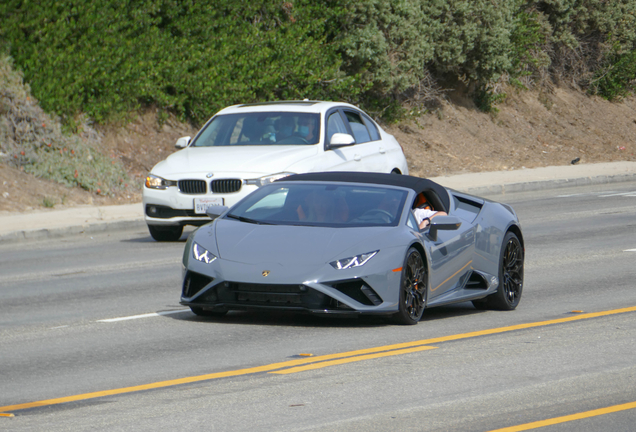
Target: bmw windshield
x=260, y=128
x=321, y=204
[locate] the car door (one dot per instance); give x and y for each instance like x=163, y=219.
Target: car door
x=451, y=258
x=358, y=156
x=450, y=254
x=344, y=158
x=368, y=145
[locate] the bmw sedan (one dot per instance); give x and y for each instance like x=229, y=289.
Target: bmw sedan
x=245, y=147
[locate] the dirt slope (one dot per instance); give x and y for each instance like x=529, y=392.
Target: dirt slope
x=530, y=130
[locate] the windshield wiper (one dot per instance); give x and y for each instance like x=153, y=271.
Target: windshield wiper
x=247, y=220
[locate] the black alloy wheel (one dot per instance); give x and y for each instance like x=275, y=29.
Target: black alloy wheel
x=413, y=289
x=510, y=288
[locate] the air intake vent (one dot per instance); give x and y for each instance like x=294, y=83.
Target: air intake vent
x=193, y=283
x=192, y=187
x=359, y=291
x=226, y=185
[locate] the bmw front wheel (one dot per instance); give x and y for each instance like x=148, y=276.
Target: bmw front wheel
x=165, y=233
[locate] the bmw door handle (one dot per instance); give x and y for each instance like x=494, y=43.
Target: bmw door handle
x=357, y=158
x=382, y=151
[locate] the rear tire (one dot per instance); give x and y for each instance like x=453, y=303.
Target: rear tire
x=510, y=287
x=207, y=313
x=165, y=234
x=413, y=289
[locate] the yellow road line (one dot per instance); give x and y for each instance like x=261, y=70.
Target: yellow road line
x=351, y=360
x=568, y=418
x=308, y=360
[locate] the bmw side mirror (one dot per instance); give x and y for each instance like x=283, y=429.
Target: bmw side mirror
x=445, y=223
x=341, y=140
x=215, y=211
x=182, y=142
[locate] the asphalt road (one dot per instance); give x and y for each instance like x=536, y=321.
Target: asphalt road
x=92, y=337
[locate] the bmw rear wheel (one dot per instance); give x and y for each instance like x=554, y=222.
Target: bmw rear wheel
x=412, y=289
x=510, y=288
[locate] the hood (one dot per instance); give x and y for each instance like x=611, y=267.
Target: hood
x=292, y=245
x=259, y=160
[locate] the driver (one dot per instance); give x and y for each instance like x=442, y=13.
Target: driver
x=424, y=211
x=307, y=129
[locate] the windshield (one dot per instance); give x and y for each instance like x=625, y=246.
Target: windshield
x=262, y=128
x=321, y=204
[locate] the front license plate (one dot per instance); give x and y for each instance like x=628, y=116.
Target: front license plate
x=202, y=204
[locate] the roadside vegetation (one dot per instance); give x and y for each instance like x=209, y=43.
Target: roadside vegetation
x=33, y=141
x=101, y=61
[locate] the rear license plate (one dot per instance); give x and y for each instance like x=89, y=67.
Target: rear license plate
x=202, y=204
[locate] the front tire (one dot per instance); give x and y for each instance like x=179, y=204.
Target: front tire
x=413, y=289
x=165, y=233
x=510, y=288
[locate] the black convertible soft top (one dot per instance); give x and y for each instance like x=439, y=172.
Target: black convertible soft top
x=415, y=183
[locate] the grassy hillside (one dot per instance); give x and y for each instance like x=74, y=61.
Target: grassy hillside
x=33, y=141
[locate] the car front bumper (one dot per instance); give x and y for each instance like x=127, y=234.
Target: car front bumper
x=224, y=284
x=171, y=207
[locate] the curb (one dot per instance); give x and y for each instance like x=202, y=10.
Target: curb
x=502, y=189
x=70, y=231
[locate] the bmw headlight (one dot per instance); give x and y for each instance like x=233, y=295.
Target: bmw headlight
x=351, y=262
x=262, y=181
x=155, y=182
x=202, y=254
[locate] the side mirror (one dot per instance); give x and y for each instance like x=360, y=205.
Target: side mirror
x=215, y=211
x=445, y=223
x=182, y=142
x=341, y=140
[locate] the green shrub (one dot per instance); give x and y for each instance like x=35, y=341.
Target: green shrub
x=617, y=79
x=107, y=58
x=394, y=45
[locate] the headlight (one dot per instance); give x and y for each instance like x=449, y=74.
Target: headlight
x=154, y=182
x=202, y=254
x=356, y=261
x=262, y=181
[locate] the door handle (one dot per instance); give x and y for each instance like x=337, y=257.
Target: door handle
x=382, y=151
x=357, y=158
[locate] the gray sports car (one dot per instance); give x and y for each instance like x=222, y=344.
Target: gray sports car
x=344, y=242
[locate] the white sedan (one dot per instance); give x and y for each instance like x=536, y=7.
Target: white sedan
x=247, y=146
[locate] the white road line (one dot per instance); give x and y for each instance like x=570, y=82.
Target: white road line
x=587, y=194
x=571, y=195
x=156, y=314
x=629, y=250
x=629, y=194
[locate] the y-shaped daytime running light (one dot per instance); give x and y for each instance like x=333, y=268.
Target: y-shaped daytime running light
x=202, y=254
x=351, y=262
